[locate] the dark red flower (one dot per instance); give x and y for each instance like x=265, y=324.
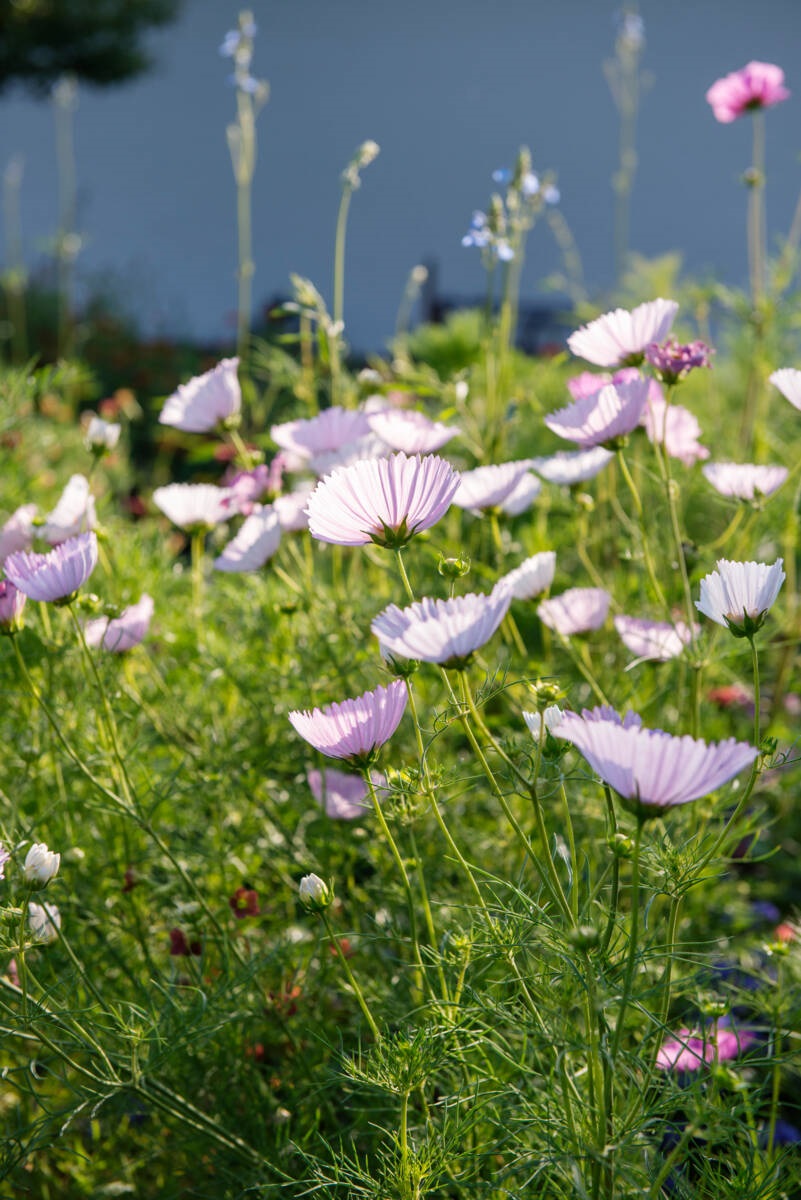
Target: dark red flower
x=245, y=903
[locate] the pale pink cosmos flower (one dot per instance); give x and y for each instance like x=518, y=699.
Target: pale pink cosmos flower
x=566, y=468
x=410, y=431
x=441, y=631
x=320, y=437
x=521, y=498
x=385, y=501
x=587, y=384
x=788, y=381
x=673, y=427
x=343, y=795
x=17, y=533
x=202, y=403
x=123, y=632
x=193, y=505
x=619, y=338
x=689, y=1050
x=74, y=513
x=657, y=640
x=246, y=488
x=603, y=417
x=255, y=543
x=354, y=729
x=291, y=508
x=12, y=602
x=739, y=594
x=745, y=481
x=756, y=85
x=57, y=575
x=578, y=610
x=533, y=576
x=490, y=487
x=649, y=768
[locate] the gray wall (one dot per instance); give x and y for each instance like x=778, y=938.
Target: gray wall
x=450, y=89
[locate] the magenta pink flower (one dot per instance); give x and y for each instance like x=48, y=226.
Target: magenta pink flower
x=441, y=631
x=648, y=768
x=745, y=481
x=657, y=640
x=17, y=533
x=255, y=543
x=123, y=632
x=569, y=467
x=56, y=576
x=578, y=610
x=385, y=501
x=206, y=400
x=619, y=338
x=12, y=602
x=673, y=427
x=410, y=431
x=674, y=360
x=788, y=381
x=354, y=730
x=756, y=85
x=603, y=417
x=690, y=1050
x=342, y=795
x=489, y=487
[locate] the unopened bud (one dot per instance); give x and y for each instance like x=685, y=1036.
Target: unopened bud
x=314, y=893
x=453, y=568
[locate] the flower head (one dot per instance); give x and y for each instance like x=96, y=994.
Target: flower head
x=569, y=467
x=385, y=501
x=74, y=513
x=56, y=576
x=17, y=533
x=648, y=768
x=603, y=417
x=354, y=729
x=656, y=640
x=313, y=441
x=673, y=427
x=244, y=903
x=739, y=594
x=746, y=481
x=410, y=431
x=123, y=632
x=41, y=865
x=673, y=360
x=193, y=506
x=551, y=717
x=101, y=435
x=578, y=610
x=4, y=857
x=788, y=381
x=756, y=85
x=12, y=602
x=291, y=508
x=619, y=338
x=533, y=576
x=206, y=400
x=254, y=544
x=489, y=487
x=441, y=631
x=344, y=796
x=314, y=893
x=689, y=1050
x=44, y=921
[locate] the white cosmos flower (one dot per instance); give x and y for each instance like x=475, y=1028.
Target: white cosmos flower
x=491, y=486
x=102, y=435
x=441, y=631
x=739, y=594
x=569, y=467
x=619, y=338
x=254, y=544
x=578, y=610
x=44, y=921
x=533, y=576
x=610, y=413
x=74, y=513
x=41, y=865
x=410, y=431
x=788, y=381
x=123, y=632
x=552, y=716
x=744, y=480
x=17, y=533
x=199, y=405
x=193, y=505
x=656, y=640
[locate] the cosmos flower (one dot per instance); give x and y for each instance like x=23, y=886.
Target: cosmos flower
x=12, y=602
x=193, y=506
x=673, y=427
x=254, y=544
x=41, y=865
x=4, y=857
x=619, y=338
x=341, y=794
x=607, y=415
x=202, y=403
x=123, y=632
x=410, y=431
x=656, y=640
x=354, y=729
x=314, y=893
x=552, y=717
x=744, y=480
x=291, y=508
x=533, y=576
x=385, y=501
x=569, y=467
x=489, y=487
x=674, y=360
x=689, y=1050
x=521, y=497
x=441, y=631
x=739, y=594
x=44, y=922
x=74, y=513
x=578, y=610
x=788, y=381
x=756, y=85
x=17, y=533
x=56, y=576
x=101, y=435
x=648, y=768
x=311, y=439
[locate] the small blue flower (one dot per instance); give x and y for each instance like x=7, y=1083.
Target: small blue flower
x=230, y=43
x=503, y=176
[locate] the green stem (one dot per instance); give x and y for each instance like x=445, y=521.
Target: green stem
x=406, y=1191
x=646, y=550
x=197, y=544
x=633, y=937
x=357, y=991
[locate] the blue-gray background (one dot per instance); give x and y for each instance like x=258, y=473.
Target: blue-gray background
x=450, y=89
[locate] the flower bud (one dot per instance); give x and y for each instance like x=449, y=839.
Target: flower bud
x=41, y=865
x=314, y=893
x=453, y=568
x=12, y=602
x=101, y=435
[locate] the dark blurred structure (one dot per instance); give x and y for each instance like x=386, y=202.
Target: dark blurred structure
x=97, y=41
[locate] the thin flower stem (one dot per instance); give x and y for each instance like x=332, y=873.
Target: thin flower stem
x=405, y=1180
x=670, y=949
x=357, y=991
x=339, y=253
x=633, y=937
x=404, y=576
x=613, y=906
x=646, y=550
x=243, y=454
x=427, y=914
x=197, y=544
x=584, y=668
x=776, y=1074
x=22, y=968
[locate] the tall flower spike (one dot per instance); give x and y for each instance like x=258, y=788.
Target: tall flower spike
x=205, y=401
x=441, y=631
x=354, y=730
x=649, y=769
x=739, y=594
x=56, y=576
x=602, y=418
x=385, y=500
x=620, y=338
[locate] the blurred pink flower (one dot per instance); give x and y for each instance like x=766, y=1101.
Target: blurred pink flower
x=521, y=497
x=492, y=486
x=410, y=431
x=313, y=441
x=603, y=417
x=656, y=640
x=674, y=427
x=674, y=360
x=756, y=85
x=12, y=602
x=291, y=508
x=57, y=575
x=744, y=480
x=689, y=1050
x=17, y=533
x=199, y=405
x=650, y=768
x=533, y=576
x=385, y=501
x=354, y=729
x=255, y=543
x=619, y=338
x=788, y=381
x=441, y=631
x=74, y=513
x=587, y=384
x=578, y=610
x=193, y=506
x=569, y=467
x=122, y=632
x=344, y=796
x=739, y=594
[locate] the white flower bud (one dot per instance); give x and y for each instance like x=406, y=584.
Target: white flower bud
x=314, y=892
x=102, y=435
x=41, y=865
